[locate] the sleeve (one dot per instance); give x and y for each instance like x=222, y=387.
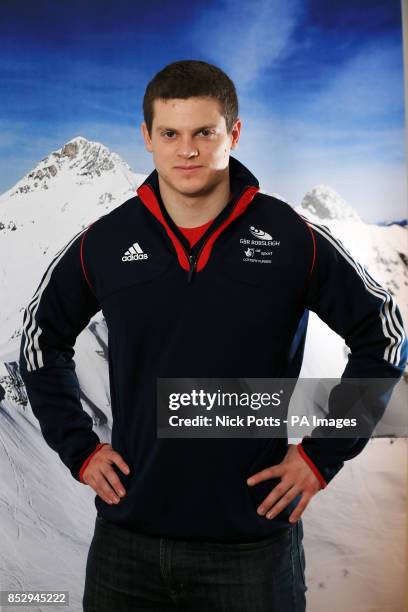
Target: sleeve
x=59, y=310
x=346, y=297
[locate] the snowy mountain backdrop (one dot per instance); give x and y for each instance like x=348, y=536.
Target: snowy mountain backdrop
x=46, y=517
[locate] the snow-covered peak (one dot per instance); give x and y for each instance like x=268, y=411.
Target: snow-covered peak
x=78, y=161
x=69, y=189
x=323, y=202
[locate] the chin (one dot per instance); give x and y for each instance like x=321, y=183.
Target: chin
x=198, y=189
x=190, y=182
x=191, y=190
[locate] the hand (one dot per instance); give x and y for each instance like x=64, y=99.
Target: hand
x=296, y=477
x=102, y=477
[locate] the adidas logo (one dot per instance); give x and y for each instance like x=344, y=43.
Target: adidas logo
x=134, y=252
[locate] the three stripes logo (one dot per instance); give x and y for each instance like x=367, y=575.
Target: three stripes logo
x=134, y=253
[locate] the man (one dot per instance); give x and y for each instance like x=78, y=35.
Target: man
x=179, y=523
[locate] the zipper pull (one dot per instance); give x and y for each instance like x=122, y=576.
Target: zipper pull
x=193, y=261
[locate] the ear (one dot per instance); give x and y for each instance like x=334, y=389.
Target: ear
x=146, y=137
x=235, y=133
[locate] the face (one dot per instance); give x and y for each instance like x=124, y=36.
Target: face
x=190, y=144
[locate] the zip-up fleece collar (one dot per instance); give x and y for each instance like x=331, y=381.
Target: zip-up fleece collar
x=244, y=186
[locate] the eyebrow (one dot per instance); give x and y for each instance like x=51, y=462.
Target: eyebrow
x=170, y=129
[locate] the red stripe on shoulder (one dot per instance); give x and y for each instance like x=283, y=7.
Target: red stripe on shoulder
x=82, y=259
x=309, y=227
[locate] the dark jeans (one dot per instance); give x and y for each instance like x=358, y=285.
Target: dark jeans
x=130, y=572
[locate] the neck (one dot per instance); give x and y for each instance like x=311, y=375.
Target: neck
x=195, y=210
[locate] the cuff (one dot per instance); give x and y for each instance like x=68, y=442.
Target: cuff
x=87, y=460
x=311, y=465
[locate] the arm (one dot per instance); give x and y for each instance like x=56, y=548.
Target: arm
x=59, y=310
x=346, y=297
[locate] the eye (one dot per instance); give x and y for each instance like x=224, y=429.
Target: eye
x=207, y=131
x=167, y=133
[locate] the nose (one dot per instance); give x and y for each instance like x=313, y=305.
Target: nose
x=187, y=149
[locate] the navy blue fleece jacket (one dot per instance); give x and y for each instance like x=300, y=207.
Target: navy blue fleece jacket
x=176, y=311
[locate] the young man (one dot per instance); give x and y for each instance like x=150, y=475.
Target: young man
x=179, y=524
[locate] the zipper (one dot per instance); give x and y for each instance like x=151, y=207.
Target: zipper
x=193, y=262
x=193, y=258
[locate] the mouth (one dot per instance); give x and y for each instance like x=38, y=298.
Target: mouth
x=187, y=169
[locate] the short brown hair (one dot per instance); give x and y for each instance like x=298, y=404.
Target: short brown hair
x=192, y=78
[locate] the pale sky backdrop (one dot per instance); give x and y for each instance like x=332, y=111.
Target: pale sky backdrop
x=320, y=86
